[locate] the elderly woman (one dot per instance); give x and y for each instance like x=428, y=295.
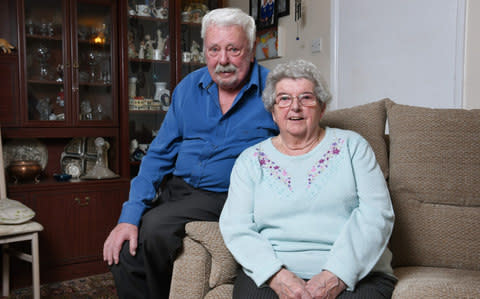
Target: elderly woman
x=308, y=213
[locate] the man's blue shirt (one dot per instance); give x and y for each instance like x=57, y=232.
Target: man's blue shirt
x=199, y=143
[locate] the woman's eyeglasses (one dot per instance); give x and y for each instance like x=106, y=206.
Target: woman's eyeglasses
x=307, y=99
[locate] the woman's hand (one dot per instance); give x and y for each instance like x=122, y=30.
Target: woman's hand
x=325, y=285
x=288, y=286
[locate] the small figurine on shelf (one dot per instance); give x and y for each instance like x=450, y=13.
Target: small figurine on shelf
x=195, y=51
x=5, y=46
x=166, y=49
x=148, y=47
x=160, y=43
x=133, y=148
x=141, y=52
x=59, y=73
x=44, y=108
x=98, y=113
x=132, y=52
x=86, y=110
x=60, y=98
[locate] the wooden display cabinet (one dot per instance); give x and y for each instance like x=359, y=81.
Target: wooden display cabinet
x=61, y=84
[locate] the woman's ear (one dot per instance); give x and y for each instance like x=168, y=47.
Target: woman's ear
x=273, y=116
x=323, y=108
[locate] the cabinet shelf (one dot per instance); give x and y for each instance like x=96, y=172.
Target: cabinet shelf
x=143, y=60
x=47, y=183
x=41, y=81
x=195, y=24
x=147, y=112
x=57, y=132
x=44, y=37
x=95, y=84
x=146, y=18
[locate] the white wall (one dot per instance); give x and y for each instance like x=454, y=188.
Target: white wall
x=471, y=95
x=316, y=24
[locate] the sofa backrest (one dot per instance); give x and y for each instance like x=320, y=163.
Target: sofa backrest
x=434, y=182
x=369, y=121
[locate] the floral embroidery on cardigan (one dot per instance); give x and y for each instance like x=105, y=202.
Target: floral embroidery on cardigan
x=275, y=170
x=281, y=174
x=322, y=164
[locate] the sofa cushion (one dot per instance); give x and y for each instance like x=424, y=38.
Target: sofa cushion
x=434, y=182
x=369, y=121
x=224, y=267
x=223, y=291
x=436, y=283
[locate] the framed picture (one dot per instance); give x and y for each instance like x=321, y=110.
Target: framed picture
x=267, y=44
x=283, y=8
x=264, y=12
x=254, y=10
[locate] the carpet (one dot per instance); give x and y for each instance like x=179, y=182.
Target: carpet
x=99, y=286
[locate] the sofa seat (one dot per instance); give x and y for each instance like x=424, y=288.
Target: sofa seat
x=438, y=283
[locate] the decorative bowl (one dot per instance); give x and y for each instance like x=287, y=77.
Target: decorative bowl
x=25, y=170
x=62, y=177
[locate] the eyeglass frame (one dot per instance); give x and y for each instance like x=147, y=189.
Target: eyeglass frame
x=298, y=97
x=231, y=51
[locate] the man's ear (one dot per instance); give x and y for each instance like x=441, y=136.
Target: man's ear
x=253, y=51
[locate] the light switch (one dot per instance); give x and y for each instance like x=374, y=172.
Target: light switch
x=317, y=45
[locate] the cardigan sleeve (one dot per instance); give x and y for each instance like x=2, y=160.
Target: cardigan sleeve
x=364, y=238
x=251, y=250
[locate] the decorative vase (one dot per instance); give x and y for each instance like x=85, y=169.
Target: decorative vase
x=162, y=95
x=132, y=87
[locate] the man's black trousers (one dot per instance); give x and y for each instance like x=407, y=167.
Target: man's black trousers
x=148, y=273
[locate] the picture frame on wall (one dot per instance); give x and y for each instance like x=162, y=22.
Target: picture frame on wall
x=266, y=46
x=254, y=10
x=283, y=8
x=265, y=13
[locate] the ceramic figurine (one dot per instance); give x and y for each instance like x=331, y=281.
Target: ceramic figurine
x=148, y=47
x=195, y=51
x=132, y=52
x=141, y=52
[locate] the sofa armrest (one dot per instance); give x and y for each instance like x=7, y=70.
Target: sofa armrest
x=191, y=271
x=204, y=262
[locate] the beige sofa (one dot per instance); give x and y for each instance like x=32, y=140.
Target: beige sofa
x=432, y=162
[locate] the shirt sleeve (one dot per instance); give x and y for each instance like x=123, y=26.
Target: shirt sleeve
x=252, y=251
x=158, y=162
x=364, y=238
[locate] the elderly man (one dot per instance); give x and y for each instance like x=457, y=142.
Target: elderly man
x=216, y=112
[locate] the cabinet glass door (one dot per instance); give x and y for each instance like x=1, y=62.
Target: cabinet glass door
x=45, y=59
x=191, y=43
x=93, y=71
x=149, y=71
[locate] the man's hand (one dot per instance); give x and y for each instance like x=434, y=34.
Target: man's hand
x=289, y=286
x=325, y=285
x=121, y=233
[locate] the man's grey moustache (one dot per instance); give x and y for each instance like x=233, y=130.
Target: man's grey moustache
x=225, y=68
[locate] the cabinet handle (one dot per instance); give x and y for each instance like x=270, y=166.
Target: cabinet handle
x=75, y=65
x=84, y=202
x=67, y=65
x=74, y=89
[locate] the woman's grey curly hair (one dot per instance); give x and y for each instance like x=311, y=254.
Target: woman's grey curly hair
x=296, y=69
